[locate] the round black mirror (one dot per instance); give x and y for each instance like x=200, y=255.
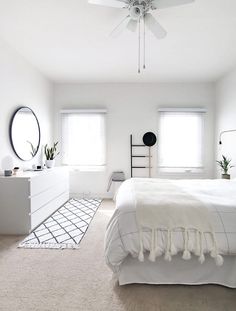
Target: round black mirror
x=149, y=139
x=25, y=133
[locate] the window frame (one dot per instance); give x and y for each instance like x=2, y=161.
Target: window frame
x=85, y=168
x=171, y=171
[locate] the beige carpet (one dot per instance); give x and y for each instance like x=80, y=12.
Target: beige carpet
x=78, y=280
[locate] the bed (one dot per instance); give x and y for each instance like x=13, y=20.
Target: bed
x=122, y=241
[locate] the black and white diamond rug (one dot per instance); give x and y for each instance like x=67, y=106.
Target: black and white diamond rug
x=65, y=228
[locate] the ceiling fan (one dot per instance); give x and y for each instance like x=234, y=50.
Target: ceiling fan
x=140, y=10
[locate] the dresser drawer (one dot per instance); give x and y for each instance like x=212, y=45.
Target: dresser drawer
x=45, y=197
x=45, y=211
x=47, y=180
x=29, y=198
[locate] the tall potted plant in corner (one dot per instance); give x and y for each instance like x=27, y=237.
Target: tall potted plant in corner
x=225, y=166
x=51, y=153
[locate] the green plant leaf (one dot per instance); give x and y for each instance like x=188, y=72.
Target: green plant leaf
x=225, y=164
x=50, y=152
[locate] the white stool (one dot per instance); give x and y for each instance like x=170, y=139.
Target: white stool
x=116, y=177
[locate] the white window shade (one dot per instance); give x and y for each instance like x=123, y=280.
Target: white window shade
x=181, y=140
x=83, y=139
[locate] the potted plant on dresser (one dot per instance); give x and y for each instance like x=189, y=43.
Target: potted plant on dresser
x=225, y=166
x=51, y=153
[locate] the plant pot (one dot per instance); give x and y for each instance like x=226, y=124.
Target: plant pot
x=50, y=163
x=225, y=176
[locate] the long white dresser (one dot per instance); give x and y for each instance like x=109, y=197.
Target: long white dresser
x=28, y=199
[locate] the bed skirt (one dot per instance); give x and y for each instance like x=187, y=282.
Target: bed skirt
x=178, y=271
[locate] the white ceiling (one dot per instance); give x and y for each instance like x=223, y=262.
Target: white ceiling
x=68, y=41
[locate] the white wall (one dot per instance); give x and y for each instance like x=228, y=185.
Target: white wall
x=132, y=108
x=22, y=85
x=226, y=118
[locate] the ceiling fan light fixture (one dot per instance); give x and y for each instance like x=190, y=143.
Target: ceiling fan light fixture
x=136, y=12
x=132, y=25
x=139, y=10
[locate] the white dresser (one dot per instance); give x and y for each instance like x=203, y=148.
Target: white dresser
x=28, y=199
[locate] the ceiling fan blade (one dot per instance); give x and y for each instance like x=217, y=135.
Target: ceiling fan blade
x=153, y=25
x=111, y=3
x=120, y=27
x=162, y=4
x=132, y=25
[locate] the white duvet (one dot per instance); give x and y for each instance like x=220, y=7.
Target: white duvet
x=122, y=236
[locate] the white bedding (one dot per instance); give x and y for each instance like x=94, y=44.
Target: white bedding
x=162, y=206
x=178, y=271
x=122, y=236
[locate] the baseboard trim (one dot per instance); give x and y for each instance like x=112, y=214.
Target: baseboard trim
x=79, y=195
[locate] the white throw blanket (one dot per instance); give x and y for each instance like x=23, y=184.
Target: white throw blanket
x=163, y=206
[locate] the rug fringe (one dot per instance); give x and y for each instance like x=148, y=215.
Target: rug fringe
x=61, y=246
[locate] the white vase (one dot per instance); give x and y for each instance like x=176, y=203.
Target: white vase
x=50, y=163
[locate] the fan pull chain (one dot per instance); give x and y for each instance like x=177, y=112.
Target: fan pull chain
x=144, y=43
x=139, y=45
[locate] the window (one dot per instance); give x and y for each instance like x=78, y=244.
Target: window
x=181, y=141
x=83, y=138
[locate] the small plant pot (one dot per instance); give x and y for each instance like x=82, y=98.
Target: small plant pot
x=50, y=163
x=225, y=176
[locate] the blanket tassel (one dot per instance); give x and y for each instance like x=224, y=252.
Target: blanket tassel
x=215, y=253
x=186, y=253
x=201, y=257
x=152, y=255
x=197, y=250
x=141, y=256
x=158, y=249
x=173, y=249
x=168, y=248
